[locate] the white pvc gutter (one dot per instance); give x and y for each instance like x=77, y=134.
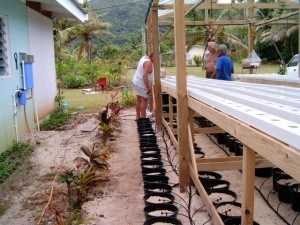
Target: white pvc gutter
x=74, y=9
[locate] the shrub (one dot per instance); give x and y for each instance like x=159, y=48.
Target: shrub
x=197, y=60
x=57, y=119
x=128, y=98
x=12, y=158
x=74, y=81
x=282, y=70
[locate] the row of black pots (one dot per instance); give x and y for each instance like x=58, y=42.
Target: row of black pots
x=288, y=189
x=223, y=199
x=158, y=198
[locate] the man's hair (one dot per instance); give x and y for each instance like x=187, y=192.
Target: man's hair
x=212, y=44
x=150, y=54
x=222, y=48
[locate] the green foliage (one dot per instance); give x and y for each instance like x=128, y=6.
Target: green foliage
x=12, y=158
x=128, y=98
x=74, y=81
x=282, y=70
x=57, y=119
x=197, y=60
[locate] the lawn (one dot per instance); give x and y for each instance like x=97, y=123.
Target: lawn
x=95, y=102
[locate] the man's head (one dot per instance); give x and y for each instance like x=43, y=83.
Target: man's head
x=212, y=46
x=151, y=56
x=222, y=49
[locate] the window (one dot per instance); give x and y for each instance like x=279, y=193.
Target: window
x=3, y=47
x=294, y=61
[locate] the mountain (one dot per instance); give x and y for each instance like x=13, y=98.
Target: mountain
x=127, y=17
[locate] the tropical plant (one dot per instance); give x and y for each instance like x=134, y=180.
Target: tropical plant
x=197, y=60
x=57, y=119
x=83, y=33
x=96, y=156
x=128, y=98
x=83, y=181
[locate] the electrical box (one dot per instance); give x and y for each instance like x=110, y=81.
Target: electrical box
x=28, y=75
x=22, y=97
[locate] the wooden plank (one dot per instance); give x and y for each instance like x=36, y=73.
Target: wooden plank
x=171, y=115
x=248, y=185
x=182, y=111
x=172, y=137
x=210, y=208
x=229, y=163
x=157, y=86
x=208, y=130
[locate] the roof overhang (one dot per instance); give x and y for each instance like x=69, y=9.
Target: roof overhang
x=62, y=8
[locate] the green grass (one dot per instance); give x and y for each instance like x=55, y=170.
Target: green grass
x=90, y=102
x=263, y=69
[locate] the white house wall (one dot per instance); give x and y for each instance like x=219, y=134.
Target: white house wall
x=41, y=45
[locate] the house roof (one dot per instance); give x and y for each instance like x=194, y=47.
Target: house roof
x=63, y=8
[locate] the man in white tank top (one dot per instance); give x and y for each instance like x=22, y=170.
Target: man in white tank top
x=142, y=84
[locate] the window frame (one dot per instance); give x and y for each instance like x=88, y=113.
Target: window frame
x=5, y=45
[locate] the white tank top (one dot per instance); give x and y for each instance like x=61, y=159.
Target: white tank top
x=138, y=76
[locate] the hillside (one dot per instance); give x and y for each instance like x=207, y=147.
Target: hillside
x=126, y=17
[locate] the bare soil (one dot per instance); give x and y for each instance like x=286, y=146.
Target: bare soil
x=118, y=199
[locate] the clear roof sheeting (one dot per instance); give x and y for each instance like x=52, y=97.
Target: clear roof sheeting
x=169, y=12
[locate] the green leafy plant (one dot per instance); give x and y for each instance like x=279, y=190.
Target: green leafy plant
x=197, y=60
x=128, y=98
x=57, y=119
x=68, y=176
x=74, y=81
x=12, y=158
x=106, y=131
x=83, y=182
x=282, y=70
x=96, y=156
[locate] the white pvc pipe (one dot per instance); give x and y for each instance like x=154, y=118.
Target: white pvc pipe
x=15, y=114
x=35, y=109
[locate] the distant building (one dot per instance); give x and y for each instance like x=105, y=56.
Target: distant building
x=195, y=50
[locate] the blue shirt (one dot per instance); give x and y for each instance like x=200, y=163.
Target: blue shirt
x=225, y=67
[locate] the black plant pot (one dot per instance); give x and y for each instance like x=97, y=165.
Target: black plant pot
x=148, y=144
x=157, y=188
x=283, y=188
x=238, y=148
x=295, y=195
x=236, y=221
x=147, y=138
x=263, y=172
x=150, y=157
x=147, y=135
x=152, y=164
x=153, y=171
x=199, y=154
x=217, y=196
x=220, y=139
x=231, y=143
x=158, y=198
x=229, y=210
x=164, y=220
x=156, y=179
x=214, y=184
x=145, y=130
x=209, y=175
x=276, y=173
x=160, y=210
x=150, y=151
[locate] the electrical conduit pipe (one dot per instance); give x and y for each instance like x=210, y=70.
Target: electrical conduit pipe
x=15, y=113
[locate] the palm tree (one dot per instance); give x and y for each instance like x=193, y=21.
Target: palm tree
x=84, y=33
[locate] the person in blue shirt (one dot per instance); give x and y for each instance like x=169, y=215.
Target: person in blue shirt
x=224, y=67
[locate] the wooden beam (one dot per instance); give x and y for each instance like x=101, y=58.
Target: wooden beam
x=209, y=207
x=210, y=22
x=182, y=111
x=170, y=132
x=166, y=33
x=248, y=185
x=207, y=5
x=157, y=86
x=228, y=163
x=277, y=18
x=208, y=130
x=171, y=115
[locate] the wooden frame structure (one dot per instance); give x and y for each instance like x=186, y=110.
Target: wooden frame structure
x=280, y=152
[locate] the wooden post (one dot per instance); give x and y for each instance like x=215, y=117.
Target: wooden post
x=157, y=86
x=251, y=30
x=248, y=185
x=182, y=106
x=171, y=113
